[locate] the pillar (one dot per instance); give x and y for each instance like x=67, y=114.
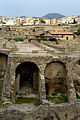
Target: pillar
x=42, y=90
x=18, y=83
x=71, y=88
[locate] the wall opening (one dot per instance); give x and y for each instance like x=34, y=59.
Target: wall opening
x=55, y=78
x=27, y=79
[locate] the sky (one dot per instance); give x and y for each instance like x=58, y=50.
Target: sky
x=38, y=8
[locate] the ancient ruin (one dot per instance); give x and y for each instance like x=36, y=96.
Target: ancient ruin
x=31, y=67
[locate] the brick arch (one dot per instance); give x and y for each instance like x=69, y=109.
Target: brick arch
x=15, y=63
x=32, y=61
x=56, y=75
x=4, y=52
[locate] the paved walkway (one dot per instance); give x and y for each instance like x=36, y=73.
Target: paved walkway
x=28, y=47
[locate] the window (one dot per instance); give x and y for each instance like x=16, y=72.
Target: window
x=66, y=38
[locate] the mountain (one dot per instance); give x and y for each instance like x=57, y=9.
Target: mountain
x=23, y=17
x=53, y=15
x=35, y=17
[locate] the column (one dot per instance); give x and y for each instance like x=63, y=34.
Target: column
x=42, y=90
x=18, y=83
x=71, y=88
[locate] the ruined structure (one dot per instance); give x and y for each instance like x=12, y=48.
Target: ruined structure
x=35, y=70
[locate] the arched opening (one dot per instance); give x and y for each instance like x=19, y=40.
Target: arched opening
x=3, y=66
x=55, y=78
x=27, y=79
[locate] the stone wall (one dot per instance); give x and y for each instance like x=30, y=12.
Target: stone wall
x=3, y=64
x=41, y=62
x=46, y=111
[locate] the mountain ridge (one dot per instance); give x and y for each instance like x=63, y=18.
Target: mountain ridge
x=53, y=15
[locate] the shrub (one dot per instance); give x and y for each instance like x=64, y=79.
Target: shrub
x=78, y=31
x=3, y=22
x=42, y=21
x=9, y=39
x=18, y=39
x=78, y=97
x=44, y=39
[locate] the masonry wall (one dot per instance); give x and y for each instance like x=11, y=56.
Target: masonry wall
x=46, y=111
x=3, y=64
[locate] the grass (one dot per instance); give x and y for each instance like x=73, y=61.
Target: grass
x=16, y=39
x=57, y=99
x=6, y=105
x=21, y=100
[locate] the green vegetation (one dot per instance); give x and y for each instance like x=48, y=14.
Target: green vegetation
x=44, y=39
x=77, y=96
x=21, y=100
x=16, y=39
x=74, y=22
x=3, y=22
x=57, y=99
x=9, y=39
x=70, y=49
x=78, y=31
x=21, y=24
x=2, y=105
x=42, y=21
x=4, y=45
x=0, y=28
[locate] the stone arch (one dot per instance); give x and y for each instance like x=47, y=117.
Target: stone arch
x=55, y=77
x=27, y=79
x=3, y=67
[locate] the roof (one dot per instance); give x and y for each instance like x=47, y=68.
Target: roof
x=61, y=33
x=39, y=33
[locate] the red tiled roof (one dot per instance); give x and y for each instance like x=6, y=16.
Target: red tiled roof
x=61, y=33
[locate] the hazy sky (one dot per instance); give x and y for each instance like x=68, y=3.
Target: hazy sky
x=13, y=8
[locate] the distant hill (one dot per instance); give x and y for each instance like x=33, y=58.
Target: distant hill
x=35, y=17
x=53, y=15
x=23, y=17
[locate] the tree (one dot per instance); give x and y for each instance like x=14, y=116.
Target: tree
x=74, y=22
x=42, y=21
x=78, y=31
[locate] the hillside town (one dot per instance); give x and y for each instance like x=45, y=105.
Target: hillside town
x=38, y=21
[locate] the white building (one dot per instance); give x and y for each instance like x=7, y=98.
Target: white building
x=10, y=22
x=47, y=21
x=66, y=20
x=77, y=19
